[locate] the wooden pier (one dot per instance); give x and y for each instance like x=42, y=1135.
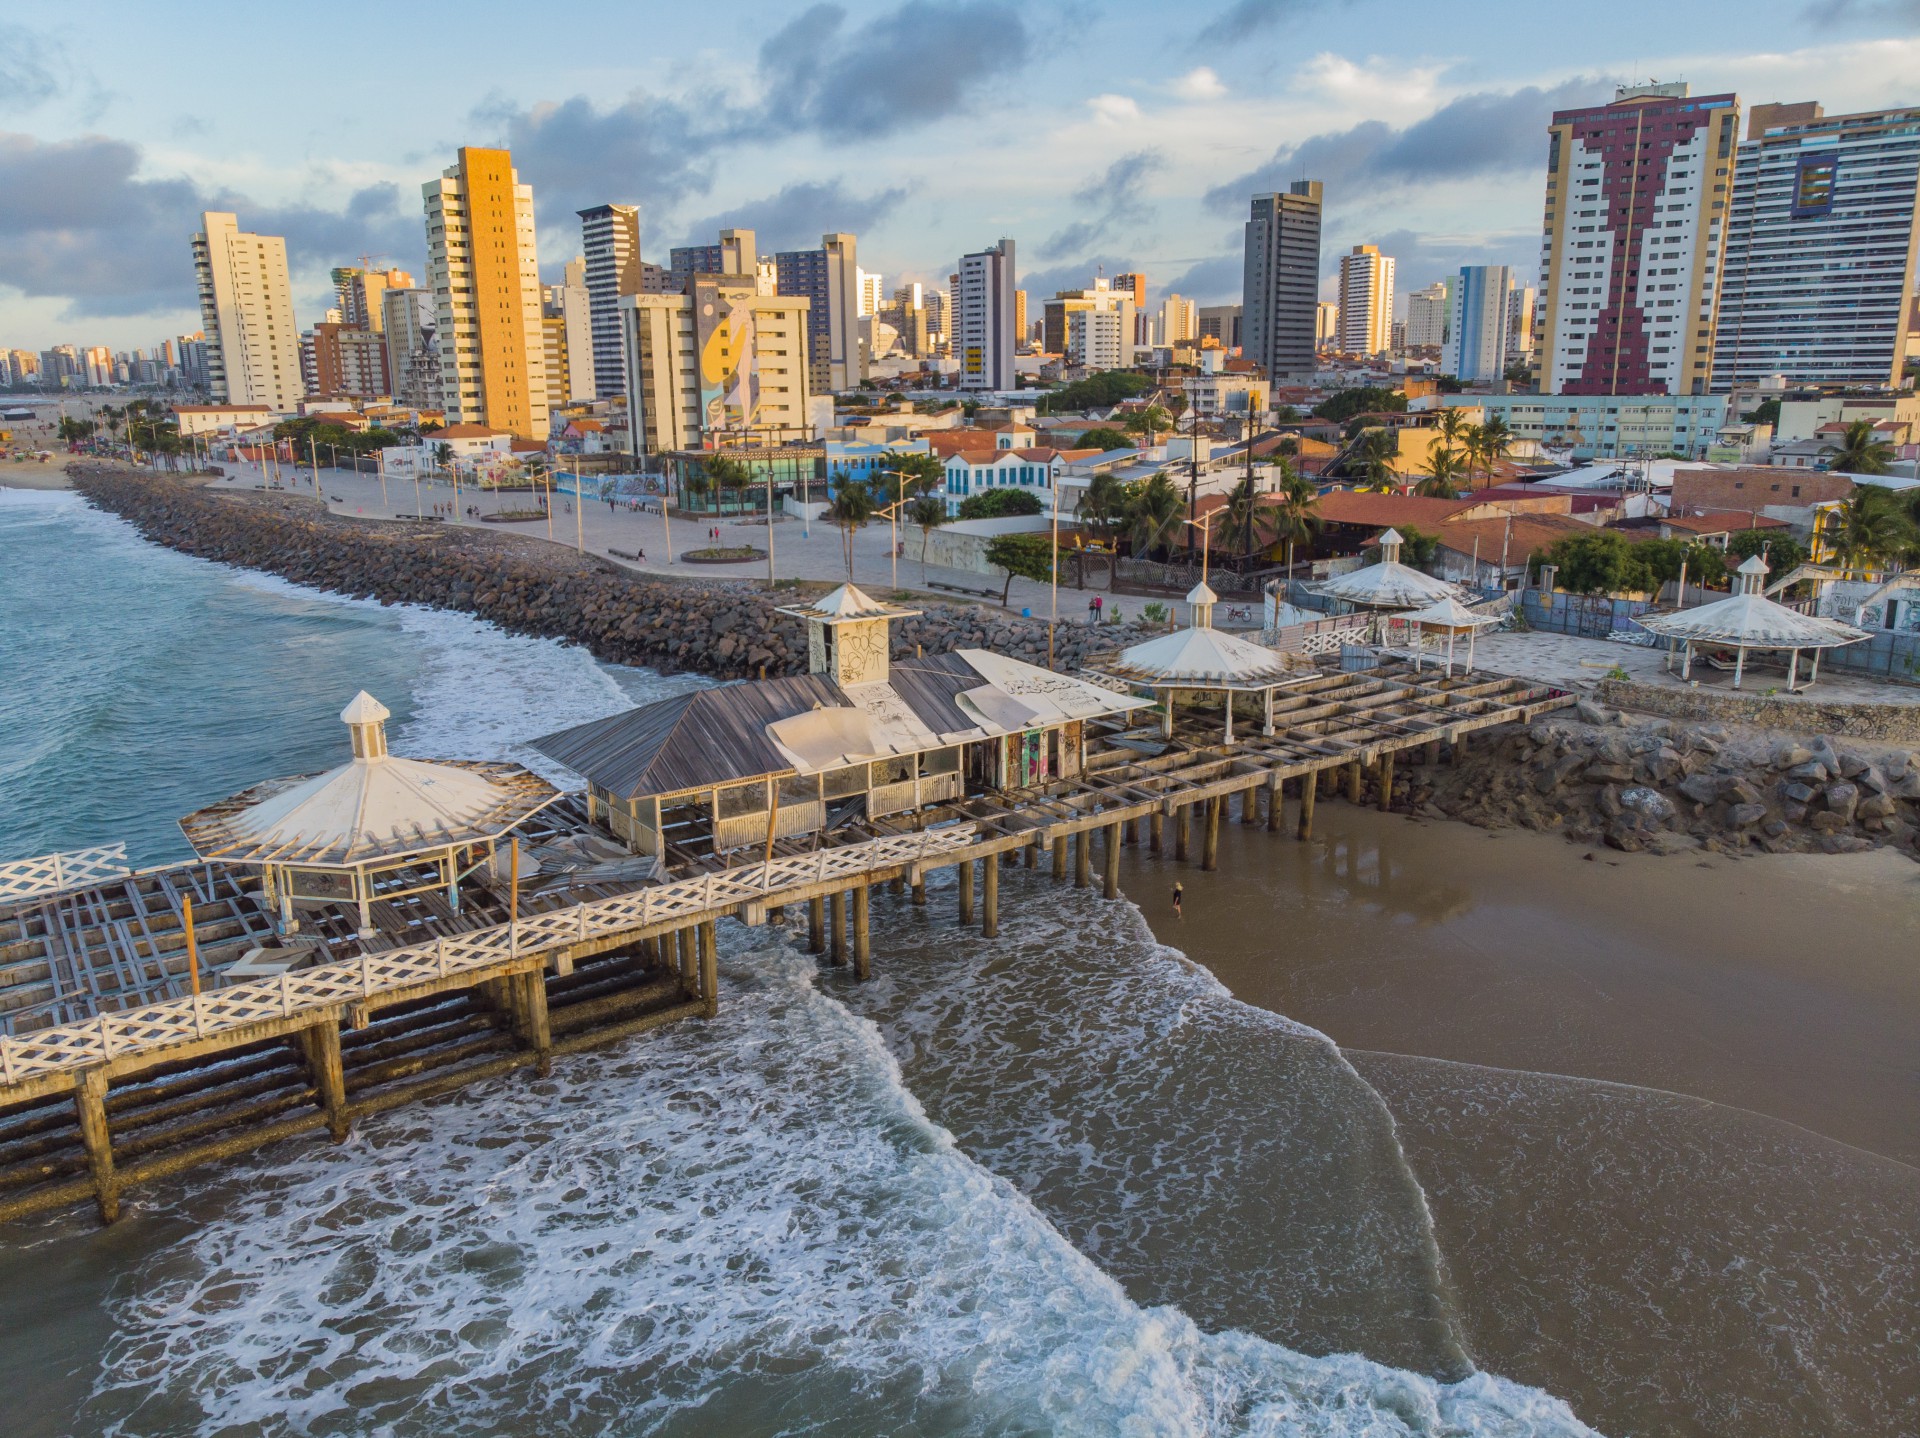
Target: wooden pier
x=112, y=1075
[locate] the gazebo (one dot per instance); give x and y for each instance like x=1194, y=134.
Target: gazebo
x=333, y=838
x=1387, y=585
x=1202, y=659
x=1451, y=618
x=1747, y=619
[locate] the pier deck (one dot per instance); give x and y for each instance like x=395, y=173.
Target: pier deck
x=112, y=1073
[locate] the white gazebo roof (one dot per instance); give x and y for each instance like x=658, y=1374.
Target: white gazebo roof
x=1448, y=613
x=1202, y=593
x=1388, y=584
x=1752, y=621
x=847, y=602
x=374, y=806
x=1200, y=659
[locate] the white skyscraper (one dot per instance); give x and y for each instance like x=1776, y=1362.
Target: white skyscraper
x=1366, y=301
x=246, y=309
x=610, y=241
x=872, y=293
x=1427, y=316
x=1476, y=347
x=983, y=323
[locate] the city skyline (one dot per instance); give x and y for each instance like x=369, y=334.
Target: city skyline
x=828, y=123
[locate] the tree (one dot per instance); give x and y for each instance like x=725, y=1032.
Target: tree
x=1291, y=514
x=1000, y=504
x=1782, y=550
x=74, y=430
x=1417, y=548
x=1286, y=414
x=1245, y=516
x=1096, y=391
x=1149, y=421
x=1862, y=451
x=727, y=473
x=1604, y=562
x=1453, y=428
x=1028, y=556
x=1104, y=437
x=1869, y=529
x=1766, y=412
x=1103, y=507
x=851, y=507
x=1154, y=514
x=1373, y=455
x=929, y=511
x=1364, y=400
x=1444, y=468
x=924, y=473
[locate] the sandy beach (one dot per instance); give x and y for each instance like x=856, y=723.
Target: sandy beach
x=33, y=474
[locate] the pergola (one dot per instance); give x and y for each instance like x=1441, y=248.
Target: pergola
x=1202, y=659
x=1451, y=618
x=1747, y=619
x=330, y=838
x=1387, y=585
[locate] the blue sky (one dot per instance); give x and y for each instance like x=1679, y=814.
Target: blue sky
x=1122, y=134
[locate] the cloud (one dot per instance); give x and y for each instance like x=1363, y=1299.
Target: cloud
x=1042, y=284
x=908, y=68
x=1199, y=83
x=647, y=150
x=1114, y=109
x=80, y=225
x=1420, y=259
x=1246, y=18
x=796, y=217
x=1480, y=134
x=27, y=69
x=1215, y=281
x=1109, y=203
x=1904, y=14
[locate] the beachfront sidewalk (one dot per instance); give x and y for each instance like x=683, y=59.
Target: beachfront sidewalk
x=800, y=551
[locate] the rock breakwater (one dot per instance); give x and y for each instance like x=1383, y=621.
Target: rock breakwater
x=527, y=586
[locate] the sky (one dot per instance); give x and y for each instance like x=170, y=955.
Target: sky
x=1117, y=135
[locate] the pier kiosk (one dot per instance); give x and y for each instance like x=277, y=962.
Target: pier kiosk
x=1747, y=619
x=1388, y=585
x=376, y=827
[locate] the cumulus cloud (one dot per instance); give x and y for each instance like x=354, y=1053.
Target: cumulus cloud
x=1480, y=134
x=796, y=217
x=575, y=154
x=1902, y=14
x=1108, y=204
x=1114, y=109
x=1215, y=281
x=79, y=224
x=1199, y=83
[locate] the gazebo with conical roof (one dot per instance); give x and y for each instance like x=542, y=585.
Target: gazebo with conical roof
x=1747, y=619
x=333, y=838
x=1201, y=659
x=1451, y=618
x=1387, y=585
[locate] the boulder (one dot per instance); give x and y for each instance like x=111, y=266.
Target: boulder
x=1739, y=791
x=1701, y=788
x=1789, y=755
x=1649, y=804
x=1592, y=712
x=1745, y=816
x=1608, y=773
x=1798, y=792
x=1842, y=799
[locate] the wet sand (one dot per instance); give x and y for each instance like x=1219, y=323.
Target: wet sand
x=1665, y=1112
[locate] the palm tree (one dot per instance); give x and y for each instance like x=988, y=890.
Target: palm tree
x=929, y=511
x=1453, y=428
x=851, y=508
x=695, y=483
x=1495, y=442
x=1291, y=510
x=1862, y=452
x=1154, y=514
x=1375, y=451
x=1246, y=512
x=1867, y=529
x=1444, y=467
x=1103, y=507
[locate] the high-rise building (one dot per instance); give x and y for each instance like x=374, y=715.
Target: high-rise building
x=1281, y=280
x=1427, y=316
x=1058, y=312
x=246, y=309
x=1019, y=318
x=1637, y=196
x=1326, y=325
x=1101, y=339
x=1521, y=301
x=1179, y=321
x=483, y=266
x=1221, y=323
x=1476, y=346
x=873, y=293
x=359, y=291
x=1366, y=301
x=610, y=241
x=569, y=303
x=1134, y=285
x=718, y=363
x=349, y=362
x=413, y=352
x=829, y=278
x=983, y=334
x=98, y=363
x=1820, y=250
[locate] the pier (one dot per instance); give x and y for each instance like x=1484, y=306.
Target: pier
x=119, y=1066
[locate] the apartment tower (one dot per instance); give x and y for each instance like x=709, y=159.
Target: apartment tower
x=982, y=319
x=1427, y=316
x=246, y=309
x=610, y=241
x=1637, y=196
x=1820, y=249
x=1476, y=344
x=483, y=267
x=1366, y=301
x=829, y=279
x=1281, y=280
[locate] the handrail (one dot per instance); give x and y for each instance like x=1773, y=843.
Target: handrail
x=58, y=873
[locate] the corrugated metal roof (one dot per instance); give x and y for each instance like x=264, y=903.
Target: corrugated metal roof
x=932, y=686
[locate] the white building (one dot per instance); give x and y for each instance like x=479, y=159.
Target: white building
x=413, y=354
x=1100, y=339
x=1427, y=316
x=1366, y=301
x=983, y=322
x=972, y=472
x=1612, y=426
x=1476, y=346
x=872, y=292
x=246, y=310
x=571, y=304
x=610, y=243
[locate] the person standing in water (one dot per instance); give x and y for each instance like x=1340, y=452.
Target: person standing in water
x=1178, y=894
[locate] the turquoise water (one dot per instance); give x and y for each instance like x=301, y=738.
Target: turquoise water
x=748, y=1226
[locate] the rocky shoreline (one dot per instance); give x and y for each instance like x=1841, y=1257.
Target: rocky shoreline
x=527, y=586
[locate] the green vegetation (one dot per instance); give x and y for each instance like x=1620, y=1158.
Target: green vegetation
x=929, y=511
x=1154, y=512
x=1417, y=548
x=1862, y=451
x=1103, y=508
x=1150, y=422
x=1029, y=556
x=1096, y=391
x=1349, y=402
x=1766, y=412
x=1154, y=612
x=1243, y=518
x=1607, y=562
x=924, y=474
x=851, y=507
x=1000, y=504
x=1874, y=528
x=322, y=433
x=1105, y=437
x=1292, y=516
x=1783, y=551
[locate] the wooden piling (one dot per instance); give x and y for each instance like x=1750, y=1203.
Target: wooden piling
x=1386, y=781
x=329, y=1075
x=1309, y=788
x=966, y=890
x=1459, y=749
x=1111, y=888
x=1276, y=803
x=1083, y=858
x=1156, y=829
x=990, y=897
x=1353, y=782
x=535, y=1032
x=816, y=925
x=920, y=889
x=90, y=1103
x=1250, y=805
x=837, y=927
x=862, y=947
x=1433, y=753
x=1210, y=850
x=709, y=969
x=1060, y=858
x=1182, y=821
x=683, y=943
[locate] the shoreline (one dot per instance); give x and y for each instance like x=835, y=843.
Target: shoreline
x=40, y=477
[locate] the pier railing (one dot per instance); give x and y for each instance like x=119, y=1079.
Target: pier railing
x=56, y=873
x=353, y=981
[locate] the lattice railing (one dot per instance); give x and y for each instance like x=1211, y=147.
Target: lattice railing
x=184, y=1020
x=53, y=873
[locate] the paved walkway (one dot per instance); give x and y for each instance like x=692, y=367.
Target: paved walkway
x=800, y=551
